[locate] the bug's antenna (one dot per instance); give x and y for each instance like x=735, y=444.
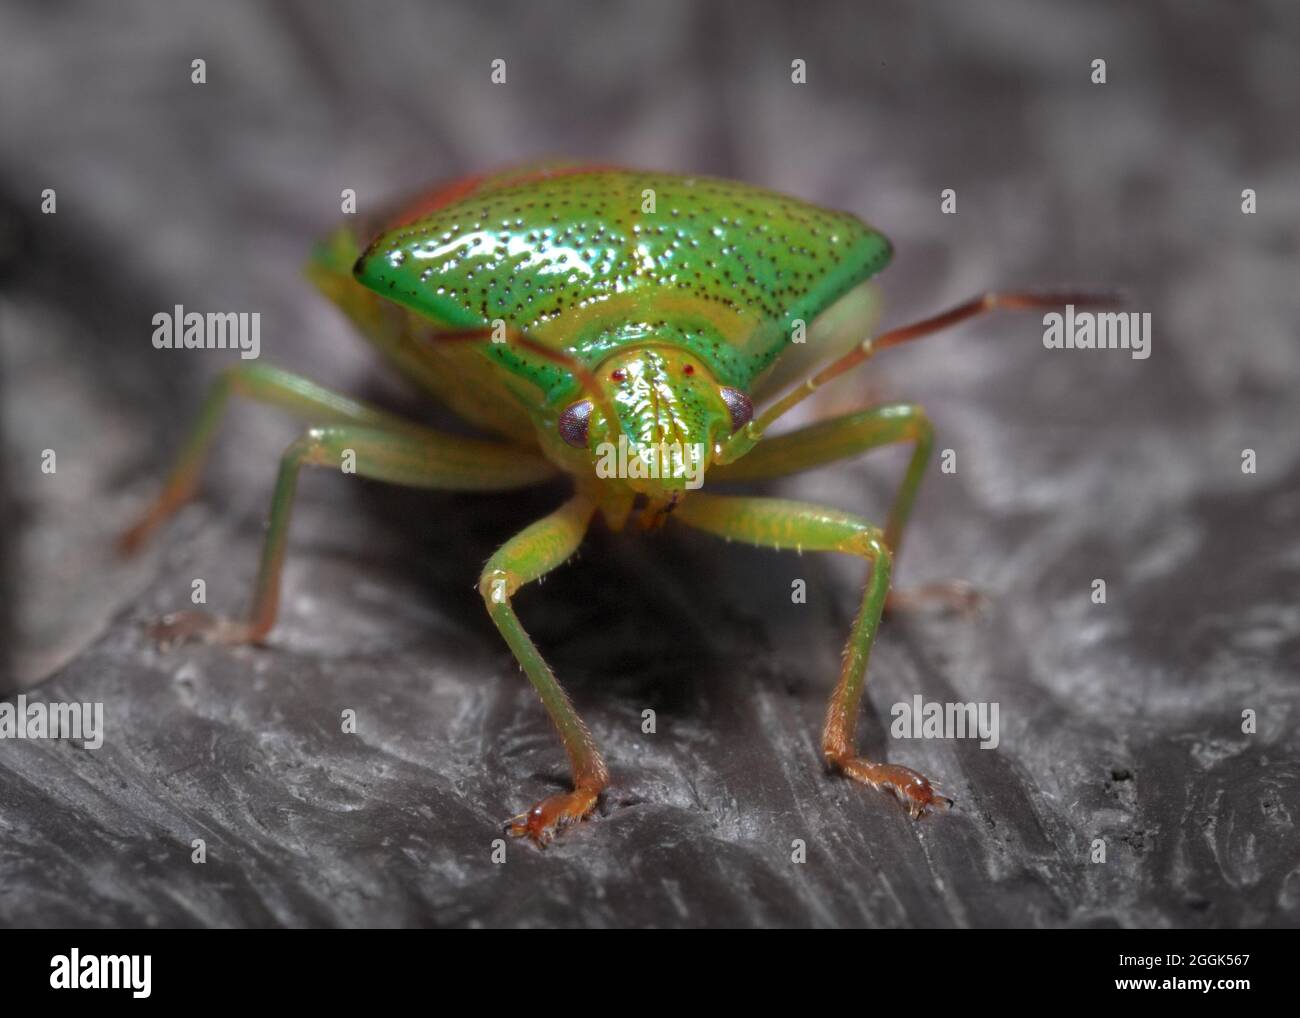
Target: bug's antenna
x=590, y=387
x=1020, y=300
x=1012, y=301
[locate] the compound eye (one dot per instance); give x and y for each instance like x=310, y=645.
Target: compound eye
x=742, y=409
x=574, y=422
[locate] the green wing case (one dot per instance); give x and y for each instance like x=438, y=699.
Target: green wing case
x=577, y=260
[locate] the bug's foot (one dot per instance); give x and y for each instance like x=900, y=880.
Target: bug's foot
x=187, y=626
x=912, y=789
x=543, y=821
x=955, y=596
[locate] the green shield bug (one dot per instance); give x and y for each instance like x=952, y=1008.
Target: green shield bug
x=615, y=326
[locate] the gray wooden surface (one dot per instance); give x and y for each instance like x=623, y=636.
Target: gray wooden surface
x=1120, y=722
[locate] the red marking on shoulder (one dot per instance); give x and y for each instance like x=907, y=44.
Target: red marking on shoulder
x=527, y=174
x=450, y=192
x=438, y=197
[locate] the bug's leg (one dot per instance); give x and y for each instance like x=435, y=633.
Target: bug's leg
x=780, y=523
x=264, y=384
x=427, y=460
x=843, y=437
x=840, y=438
x=530, y=555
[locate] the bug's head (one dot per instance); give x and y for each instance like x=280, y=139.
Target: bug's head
x=670, y=411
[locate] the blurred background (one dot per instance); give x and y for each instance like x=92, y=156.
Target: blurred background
x=1120, y=722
